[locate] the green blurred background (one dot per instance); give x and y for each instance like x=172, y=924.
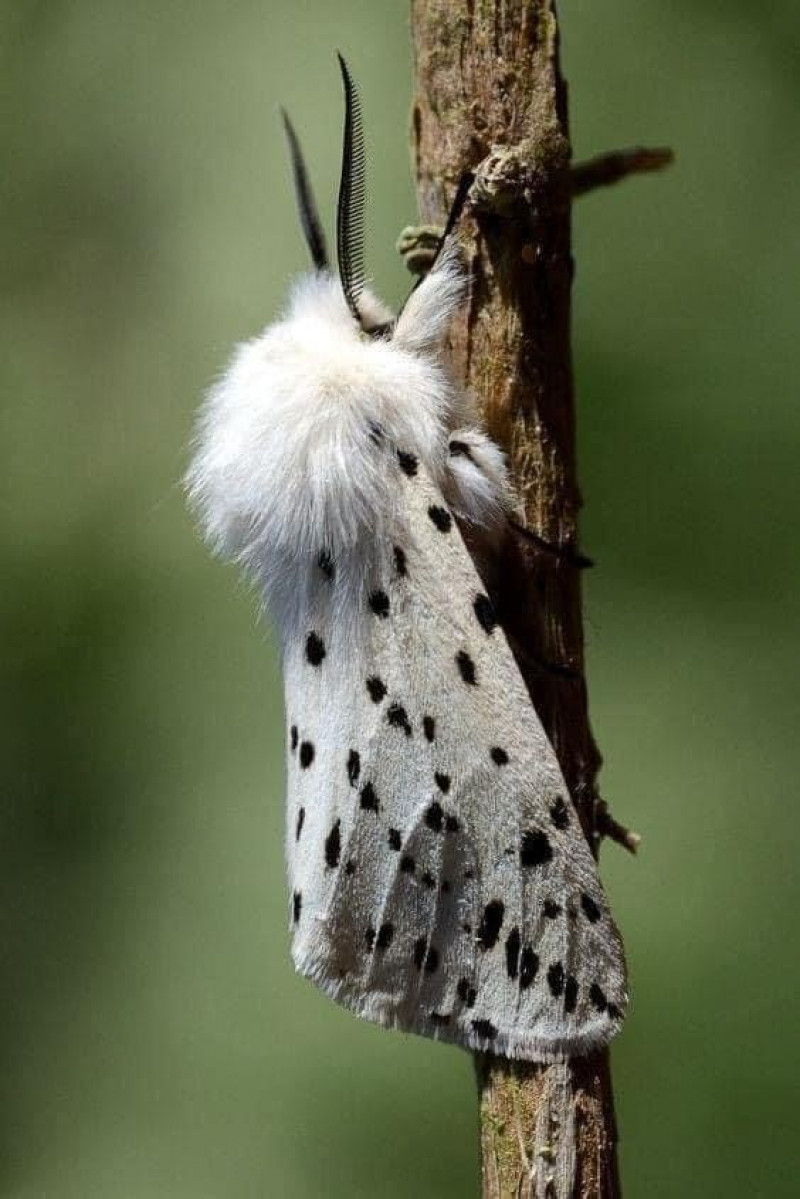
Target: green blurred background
x=155, y=1041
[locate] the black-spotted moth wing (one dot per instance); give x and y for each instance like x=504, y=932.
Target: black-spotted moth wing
x=439, y=879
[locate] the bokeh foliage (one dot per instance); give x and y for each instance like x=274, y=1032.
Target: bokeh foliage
x=155, y=1040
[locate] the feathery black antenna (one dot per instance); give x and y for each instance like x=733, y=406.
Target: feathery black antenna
x=456, y=208
x=306, y=206
x=350, y=210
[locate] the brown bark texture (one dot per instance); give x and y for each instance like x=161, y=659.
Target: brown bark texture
x=490, y=98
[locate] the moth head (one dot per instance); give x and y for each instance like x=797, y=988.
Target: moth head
x=420, y=323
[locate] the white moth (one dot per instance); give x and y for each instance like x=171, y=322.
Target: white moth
x=440, y=882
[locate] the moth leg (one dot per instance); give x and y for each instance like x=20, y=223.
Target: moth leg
x=607, y=826
x=540, y=665
x=502, y=558
x=566, y=553
x=420, y=245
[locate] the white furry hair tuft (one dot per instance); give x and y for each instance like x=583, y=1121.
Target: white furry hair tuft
x=285, y=464
x=282, y=461
x=431, y=306
x=478, y=487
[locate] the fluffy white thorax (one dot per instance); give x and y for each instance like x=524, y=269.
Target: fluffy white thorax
x=284, y=462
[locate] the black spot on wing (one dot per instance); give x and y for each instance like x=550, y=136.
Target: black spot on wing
x=451, y=825
x=442, y=781
x=369, y=937
x=385, y=935
x=434, y=816
x=400, y=561
x=425, y=955
x=466, y=992
x=597, y=996
x=398, y=718
x=350, y=867
x=551, y=909
x=315, y=649
x=301, y=819
x=333, y=845
x=306, y=754
x=559, y=813
x=466, y=667
x=459, y=449
x=441, y=518
x=376, y=688
x=535, y=849
x=528, y=967
x=439, y=1019
x=408, y=463
x=429, y=727
x=297, y=906
x=590, y=909
x=379, y=603
x=484, y=1029
x=485, y=613
x=512, y=953
x=407, y=864
x=427, y=880
x=555, y=979
x=395, y=839
x=570, y=993
x=293, y=738
x=499, y=755
x=353, y=766
x=325, y=563
x=491, y=923
x=368, y=799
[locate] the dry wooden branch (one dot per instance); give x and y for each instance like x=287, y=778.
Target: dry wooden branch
x=490, y=98
x=618, y=164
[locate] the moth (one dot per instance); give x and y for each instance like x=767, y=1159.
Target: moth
x=439, y=879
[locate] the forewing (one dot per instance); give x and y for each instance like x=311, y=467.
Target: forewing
x=440, y=879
